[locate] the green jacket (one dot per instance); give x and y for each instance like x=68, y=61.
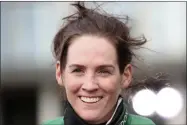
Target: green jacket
x=131, y=120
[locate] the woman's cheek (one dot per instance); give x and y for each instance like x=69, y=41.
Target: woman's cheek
x=72, y=84
x=110, y=85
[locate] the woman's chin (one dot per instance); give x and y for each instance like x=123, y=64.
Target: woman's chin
x=90, y=116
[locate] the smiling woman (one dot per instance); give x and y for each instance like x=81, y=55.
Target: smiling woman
x=93, y=53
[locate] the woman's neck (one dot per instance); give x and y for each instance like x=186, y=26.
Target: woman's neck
x=105, y=119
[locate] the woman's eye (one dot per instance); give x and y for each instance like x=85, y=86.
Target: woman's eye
x=77, y=70
x=104, y=72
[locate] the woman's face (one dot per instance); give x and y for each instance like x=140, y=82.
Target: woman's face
x=92, y=79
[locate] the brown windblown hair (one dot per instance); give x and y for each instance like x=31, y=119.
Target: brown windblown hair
x=90, y=22
x=86, y=21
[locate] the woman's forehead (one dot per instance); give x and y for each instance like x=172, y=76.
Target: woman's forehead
x=91, y=42
x=91, y=49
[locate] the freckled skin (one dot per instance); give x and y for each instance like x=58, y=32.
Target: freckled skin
x=91, y=52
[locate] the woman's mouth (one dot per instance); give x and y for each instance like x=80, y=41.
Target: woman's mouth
x=90, y=99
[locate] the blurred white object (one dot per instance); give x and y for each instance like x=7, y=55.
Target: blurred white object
x=144, y=102
x=169, y=102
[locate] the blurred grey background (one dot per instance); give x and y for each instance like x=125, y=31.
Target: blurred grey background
x=29, y=93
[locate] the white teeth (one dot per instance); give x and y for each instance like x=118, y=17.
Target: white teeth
x=90, y=99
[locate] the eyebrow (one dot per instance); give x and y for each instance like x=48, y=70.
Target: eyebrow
x=100, y=66
x=106, y=66
x=76, y=65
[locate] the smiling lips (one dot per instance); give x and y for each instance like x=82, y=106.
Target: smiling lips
x=90, y=99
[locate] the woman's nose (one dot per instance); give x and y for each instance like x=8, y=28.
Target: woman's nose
x=90, y=84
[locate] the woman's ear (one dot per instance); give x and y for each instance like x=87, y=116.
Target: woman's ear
x=59, y=73
x=127, y=76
